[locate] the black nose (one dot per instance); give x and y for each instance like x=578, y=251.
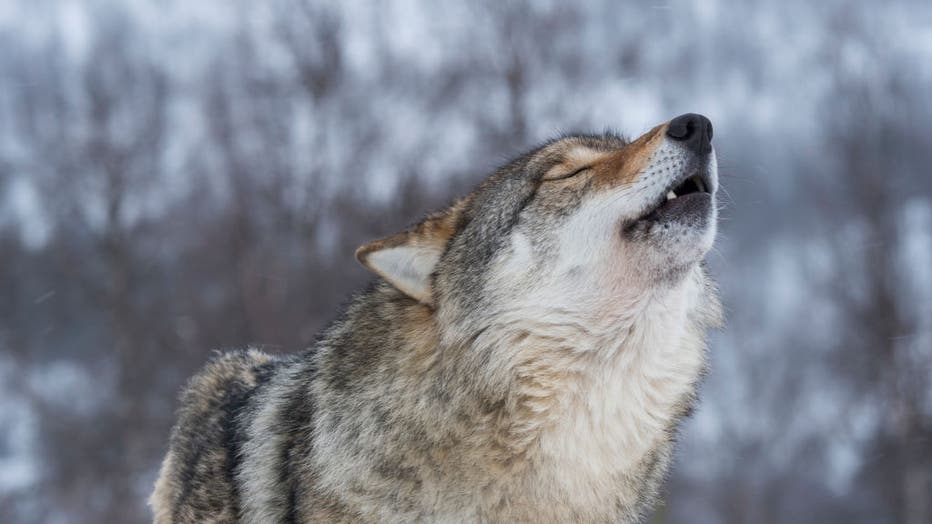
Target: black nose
x=695, y=131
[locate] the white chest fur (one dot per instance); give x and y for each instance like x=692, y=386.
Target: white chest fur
x=623, y=408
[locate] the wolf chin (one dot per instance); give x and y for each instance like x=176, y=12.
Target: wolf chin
x=524, y=355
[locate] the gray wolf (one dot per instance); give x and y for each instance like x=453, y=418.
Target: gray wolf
x=524, y=355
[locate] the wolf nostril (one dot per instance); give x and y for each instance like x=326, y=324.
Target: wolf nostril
x=695, y=131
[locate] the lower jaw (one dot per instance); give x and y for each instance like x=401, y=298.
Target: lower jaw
x=692, y=210
x=693, y=205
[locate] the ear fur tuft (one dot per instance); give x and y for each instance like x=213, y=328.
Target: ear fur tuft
x=407, y=266
x=407, y=259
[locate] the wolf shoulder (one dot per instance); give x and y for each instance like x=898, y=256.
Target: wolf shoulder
x=196, y=481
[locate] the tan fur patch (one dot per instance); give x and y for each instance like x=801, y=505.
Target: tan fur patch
x=623, y=167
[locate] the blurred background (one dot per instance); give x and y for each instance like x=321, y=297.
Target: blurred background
x=178, y=177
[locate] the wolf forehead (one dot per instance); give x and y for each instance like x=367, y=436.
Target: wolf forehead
x=562, y=155
x=511, y=186
x=501, y=197
x=570, y=150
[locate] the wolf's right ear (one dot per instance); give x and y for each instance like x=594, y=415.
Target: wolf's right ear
x=407, y=260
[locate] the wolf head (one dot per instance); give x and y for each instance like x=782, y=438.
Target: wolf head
x=582, y=228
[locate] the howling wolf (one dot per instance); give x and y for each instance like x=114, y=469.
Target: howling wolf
x=524, y=355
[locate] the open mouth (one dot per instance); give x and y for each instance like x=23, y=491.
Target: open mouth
x=693, y=184
x=684, y=197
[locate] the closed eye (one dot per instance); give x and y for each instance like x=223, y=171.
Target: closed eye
x=571, y=174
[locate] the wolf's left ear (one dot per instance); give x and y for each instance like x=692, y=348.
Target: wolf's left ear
x=408, y=259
